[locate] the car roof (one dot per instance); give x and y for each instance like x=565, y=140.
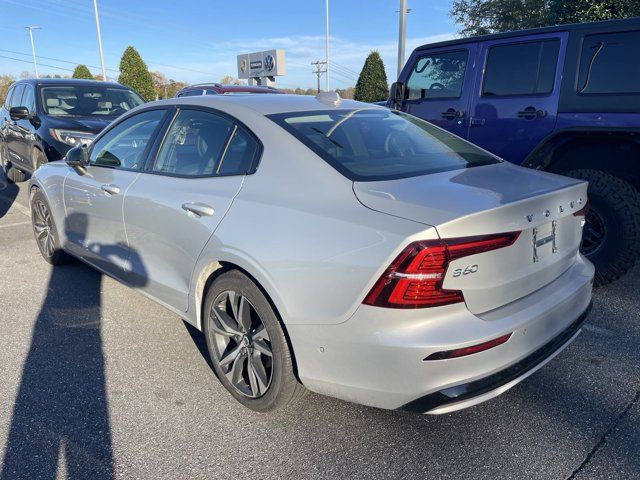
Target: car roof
x=266, y=104
x=630, y=22
x=221, y=88
x=70, y=82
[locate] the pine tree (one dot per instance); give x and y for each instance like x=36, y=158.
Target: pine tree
x=135, y=74
x=372, y=83
x=82, y=71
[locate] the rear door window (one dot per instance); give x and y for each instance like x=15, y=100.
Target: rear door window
x=194, y=144
x=610, y=63
x=521, y=68
x=438, y=75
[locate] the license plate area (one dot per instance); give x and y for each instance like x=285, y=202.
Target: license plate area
x=544, y=240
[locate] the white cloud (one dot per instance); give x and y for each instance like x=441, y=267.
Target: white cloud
x=300, y=51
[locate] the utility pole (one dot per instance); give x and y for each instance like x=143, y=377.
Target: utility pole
x=95, y=11
x=33, y=48
x=326, y=42
x=402, y=34
x=318, y=71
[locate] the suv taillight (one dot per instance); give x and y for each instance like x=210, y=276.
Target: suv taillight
x=414, y=279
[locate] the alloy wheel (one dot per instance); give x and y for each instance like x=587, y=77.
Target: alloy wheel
x=43, y=228
x=594, y=233
x=241, y=344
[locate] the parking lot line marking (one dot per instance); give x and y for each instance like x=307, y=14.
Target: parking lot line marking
x=600, y=330
x=22, y=209
x=14, y=224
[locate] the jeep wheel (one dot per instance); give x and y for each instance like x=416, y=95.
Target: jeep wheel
x=611, y=236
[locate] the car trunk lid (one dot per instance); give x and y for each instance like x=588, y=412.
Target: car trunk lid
x=487, y=200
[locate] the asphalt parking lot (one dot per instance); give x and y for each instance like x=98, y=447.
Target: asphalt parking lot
x=98, y=382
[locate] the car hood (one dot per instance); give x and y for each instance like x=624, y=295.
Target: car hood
x=82, y=124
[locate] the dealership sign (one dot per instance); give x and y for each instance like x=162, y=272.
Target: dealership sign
x=270, y=63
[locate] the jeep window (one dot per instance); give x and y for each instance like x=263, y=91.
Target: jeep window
x=610, y=63
x=438, y=75
x=380, y=144
x=521, y=68
x=88, y=100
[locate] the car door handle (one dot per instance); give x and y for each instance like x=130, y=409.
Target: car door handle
x=199, y=209
x=452, y=113
x=110, y=189
x=531, y=112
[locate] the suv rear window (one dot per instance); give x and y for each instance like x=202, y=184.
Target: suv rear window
x=380, y=144
x=521, y=68
x=610, y=63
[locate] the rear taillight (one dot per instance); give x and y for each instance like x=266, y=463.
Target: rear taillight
x=414, y=279
x=583, y=211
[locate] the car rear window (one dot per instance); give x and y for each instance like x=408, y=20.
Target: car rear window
x=380, y=144
x=610, y=63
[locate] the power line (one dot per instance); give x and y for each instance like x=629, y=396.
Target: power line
x=318, y=71
x=54, y=59
x=334, y=63
x=43, y=64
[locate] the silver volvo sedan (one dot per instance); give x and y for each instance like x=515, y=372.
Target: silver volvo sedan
x=328, y=245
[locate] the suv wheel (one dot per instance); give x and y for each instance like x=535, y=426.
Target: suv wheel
x=247, y=345
x=37, y=159
x=611, y=236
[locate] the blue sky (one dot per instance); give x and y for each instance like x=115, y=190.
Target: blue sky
x=198, y=40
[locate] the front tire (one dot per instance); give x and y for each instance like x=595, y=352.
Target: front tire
x=247, y=345
x=45, y=232
x=611, y=237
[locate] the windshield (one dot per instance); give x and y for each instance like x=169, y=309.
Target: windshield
x=381, y=144
x=88, y=100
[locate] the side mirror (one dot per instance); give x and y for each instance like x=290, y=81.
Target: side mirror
x=396, y=94
x=77, y=157
x=18, y=113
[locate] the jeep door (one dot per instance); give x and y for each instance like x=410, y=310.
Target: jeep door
x=515, y=101
x=438, y=86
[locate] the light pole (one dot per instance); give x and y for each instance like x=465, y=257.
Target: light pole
x=326, y=41
x=402, y=34
x=95, y=10
x=33, y=48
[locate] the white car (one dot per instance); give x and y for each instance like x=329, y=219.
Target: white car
x=347, y=248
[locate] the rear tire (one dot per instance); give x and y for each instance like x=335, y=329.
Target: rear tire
x=611, y=237
x=247, y=345
x=45, y=231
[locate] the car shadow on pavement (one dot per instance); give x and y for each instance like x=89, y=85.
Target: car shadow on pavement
x=8, y=193
x=60, y=419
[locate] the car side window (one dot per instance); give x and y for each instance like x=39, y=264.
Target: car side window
x=191, y=93
x=521, y=68
x=29, y=99
x=7, y=99
x=194, y=144
x=438, y=75
x=16, y=98
x=609, y=63
x=239, y=155
x=124, y=145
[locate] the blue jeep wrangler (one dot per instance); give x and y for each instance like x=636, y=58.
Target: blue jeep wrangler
x=563, y=99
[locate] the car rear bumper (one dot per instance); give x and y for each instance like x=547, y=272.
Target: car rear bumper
x=377, y=357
